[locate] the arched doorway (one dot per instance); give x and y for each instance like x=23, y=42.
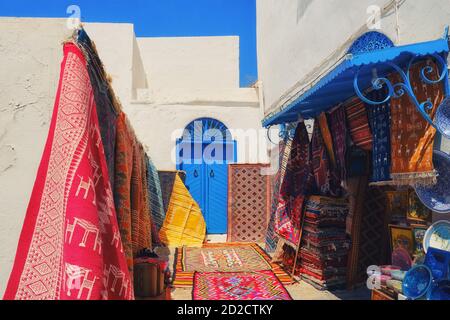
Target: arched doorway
x=204, y=152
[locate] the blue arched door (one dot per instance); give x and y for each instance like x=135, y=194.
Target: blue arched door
x=204, y=152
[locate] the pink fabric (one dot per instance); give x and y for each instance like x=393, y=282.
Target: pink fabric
x=70, y=246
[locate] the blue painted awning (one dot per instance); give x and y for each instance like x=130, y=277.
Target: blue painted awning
x=337, y=85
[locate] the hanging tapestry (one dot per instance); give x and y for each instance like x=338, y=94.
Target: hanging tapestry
x=140, y=215
x=358, y=124
x=327, y=182
x=412, y=137
x=297, y=182
x=134, y=220
x=184, y=223
x=256, y=285
x=167, y=179
x=338, y=128
x=284, y=153
x=155, y=194
x=104, y=99
x=327, y=138
x=248, y=202
x=184, y=278
x=70, y=246
x=122, y=186
x=380, y=122
x=369, y=230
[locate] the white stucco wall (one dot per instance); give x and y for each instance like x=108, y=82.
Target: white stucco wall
x=191, y=62
x=157, y=125
x=297, y=36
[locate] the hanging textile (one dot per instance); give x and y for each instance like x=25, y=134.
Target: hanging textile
x=358, y=124
x=134, y=221
x=104, y=99
x=297, y=182
x=327, y=182
x=284, y=153
x=327, y=138
x=167, y=179
x=380, y=123
x=412, y=137
x=248, y=202
x=338, y=127
x=70, y=247
x=184, y=223
x=140, y=208
x=156, y=200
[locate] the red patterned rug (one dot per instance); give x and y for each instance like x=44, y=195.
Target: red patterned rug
x=70, y=246
x=255, y=285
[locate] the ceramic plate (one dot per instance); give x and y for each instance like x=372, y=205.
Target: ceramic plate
x=442, y=118
x=438, y=236
x=437, y=197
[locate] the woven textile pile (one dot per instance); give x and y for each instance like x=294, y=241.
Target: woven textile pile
x=322, y=259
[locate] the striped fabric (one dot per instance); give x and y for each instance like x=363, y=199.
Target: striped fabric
x=156, y=200
x=184, y=223
x=326, y=177
x=358, y=124
x=271, y=236
x=338, y=127
x=380, y=122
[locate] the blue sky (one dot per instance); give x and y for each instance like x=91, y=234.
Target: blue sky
x=161, y=18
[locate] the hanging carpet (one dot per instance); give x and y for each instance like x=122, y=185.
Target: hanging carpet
x=167, y=178
x=70, y=246
x=248, y=202
x=298, y=181
x=284, y=153
x=184, y=223
x=412, y=137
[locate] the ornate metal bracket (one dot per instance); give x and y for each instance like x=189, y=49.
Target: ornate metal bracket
x=399, y=89
x=285, y=132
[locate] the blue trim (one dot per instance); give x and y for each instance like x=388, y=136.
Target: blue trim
x=338, y=85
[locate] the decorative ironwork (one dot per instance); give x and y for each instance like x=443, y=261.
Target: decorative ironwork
x=397, y=90
x=370, y=41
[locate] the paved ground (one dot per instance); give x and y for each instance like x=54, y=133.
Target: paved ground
x=298, y=291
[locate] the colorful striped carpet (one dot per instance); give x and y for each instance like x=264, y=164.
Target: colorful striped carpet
x=185, y=278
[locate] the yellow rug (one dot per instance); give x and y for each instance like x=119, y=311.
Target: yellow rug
x=184, y=224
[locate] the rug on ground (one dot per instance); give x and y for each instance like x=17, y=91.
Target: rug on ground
x=232, y=257
x=254, y=285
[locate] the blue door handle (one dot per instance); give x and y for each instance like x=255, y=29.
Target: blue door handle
x=195, y=174
x=211, y=174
